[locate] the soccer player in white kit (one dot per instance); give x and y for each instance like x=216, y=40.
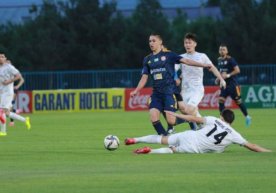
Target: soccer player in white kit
x=215, y=135
x=192, y=89
x=8, y=75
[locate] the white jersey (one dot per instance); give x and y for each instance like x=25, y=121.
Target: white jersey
x=215, y=136
x=193, y=76
x=7, y=72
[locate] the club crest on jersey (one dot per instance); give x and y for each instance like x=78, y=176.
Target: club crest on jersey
x=163, y=58
x=149, y=62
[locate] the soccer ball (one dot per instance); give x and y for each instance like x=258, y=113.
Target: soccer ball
x=111, y=142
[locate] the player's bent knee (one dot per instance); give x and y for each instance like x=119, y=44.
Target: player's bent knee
x=170, y=119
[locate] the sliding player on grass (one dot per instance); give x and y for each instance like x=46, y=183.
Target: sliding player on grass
x=214, y=137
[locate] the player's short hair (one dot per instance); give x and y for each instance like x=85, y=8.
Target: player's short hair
x=228, y=115
x=191, y=36
x=157, y=35
x=223, y=45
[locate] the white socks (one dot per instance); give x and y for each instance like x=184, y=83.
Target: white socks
x=162, y=150
x=3, y=128
x=149, y=139
x=17, y=117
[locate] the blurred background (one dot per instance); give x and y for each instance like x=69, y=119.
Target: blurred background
x=101, y=43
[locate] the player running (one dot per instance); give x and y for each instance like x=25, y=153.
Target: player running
x=192, y=89
x=8, y=75
x=159, y=65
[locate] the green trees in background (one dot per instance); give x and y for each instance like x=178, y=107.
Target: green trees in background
x=82, y=35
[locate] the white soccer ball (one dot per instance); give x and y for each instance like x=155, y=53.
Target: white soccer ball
x=111, y=142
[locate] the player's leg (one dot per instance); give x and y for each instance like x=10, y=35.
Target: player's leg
x=153, y=139
x=3, y=130
x=170, y=128
x=170, y=104
x=12, y=110
x=3, y=109
x=236, y=96
x=173, y=141
x=156, y=106
x=222, y=98
x=7, y=104
x=181, y=107
x=192, y=98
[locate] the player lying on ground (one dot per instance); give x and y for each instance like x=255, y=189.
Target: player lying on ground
x=215, y=135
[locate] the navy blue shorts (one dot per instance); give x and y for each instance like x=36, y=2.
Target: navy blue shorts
x=162, y=102
x=232, y=90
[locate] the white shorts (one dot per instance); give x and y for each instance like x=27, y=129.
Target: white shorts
x=6, y=100
x=192, y=96
x=183, y=142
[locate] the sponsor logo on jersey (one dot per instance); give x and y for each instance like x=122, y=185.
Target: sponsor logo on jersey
x=156, y=60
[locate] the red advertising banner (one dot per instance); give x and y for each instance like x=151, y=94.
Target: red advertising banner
x=211, y=97
x=138, y=102
x=24, y=101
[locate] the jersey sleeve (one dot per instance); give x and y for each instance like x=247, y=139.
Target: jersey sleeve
x=145, y=69
x=206, y=59
x=233, y=62
x=175, y=58
x=237, y=138
x=13, y=70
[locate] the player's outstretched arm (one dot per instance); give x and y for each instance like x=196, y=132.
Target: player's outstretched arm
x=141, y=84
x=221, y=81
x=194, y=63
x=189, y=118
x=256, y=148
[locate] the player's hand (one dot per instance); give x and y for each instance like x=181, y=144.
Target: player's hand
x=16, y=87
x=222, y=84
x=133, y=93
x=177, y=82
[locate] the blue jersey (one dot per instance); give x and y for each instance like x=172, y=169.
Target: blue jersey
x=227, y=65
x=161, y=69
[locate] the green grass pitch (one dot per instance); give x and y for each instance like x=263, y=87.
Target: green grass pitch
x=64, y=153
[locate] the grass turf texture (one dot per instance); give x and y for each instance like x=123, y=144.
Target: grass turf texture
x=64, y=153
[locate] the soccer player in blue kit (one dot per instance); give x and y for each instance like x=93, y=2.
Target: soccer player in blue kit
x=159, y=65
x=229, y=69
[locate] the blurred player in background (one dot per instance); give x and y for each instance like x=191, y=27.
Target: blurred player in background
x=192, y=89
x=159, y=65
x=17, y=85
x=215, y=135
x=229, y=69
x=8, y=75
